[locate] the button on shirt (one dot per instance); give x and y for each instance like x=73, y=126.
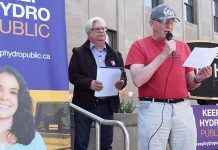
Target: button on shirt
x=99, y=55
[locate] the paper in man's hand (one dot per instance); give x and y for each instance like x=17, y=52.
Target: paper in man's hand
x=201, y=57
x=108, y=77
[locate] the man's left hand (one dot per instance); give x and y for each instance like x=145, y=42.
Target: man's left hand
x=204, y=73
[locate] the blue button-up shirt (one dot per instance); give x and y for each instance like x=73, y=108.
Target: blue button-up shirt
x=99, y=55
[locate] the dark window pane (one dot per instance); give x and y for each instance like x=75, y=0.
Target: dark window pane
x=215, y=15
x=216, y=23
x=189, y=14
x=216, y=7
x=189, y=10
x=154, y=3
x=112, y=38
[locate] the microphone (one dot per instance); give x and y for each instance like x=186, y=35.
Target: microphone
x=169, y=36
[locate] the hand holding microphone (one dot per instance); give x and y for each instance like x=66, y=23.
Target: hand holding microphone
x=170, y=45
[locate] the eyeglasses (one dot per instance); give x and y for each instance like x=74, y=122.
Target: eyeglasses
x=98, y=30
x=171, y=21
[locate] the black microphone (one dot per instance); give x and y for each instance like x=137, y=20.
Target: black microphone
x=169, y=36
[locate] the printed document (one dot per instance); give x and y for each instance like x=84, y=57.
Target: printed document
x=201, y=57
x=2, y=146
x=108, y=77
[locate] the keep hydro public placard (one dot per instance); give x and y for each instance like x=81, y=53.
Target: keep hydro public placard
x=33, y=41
x=207, y=126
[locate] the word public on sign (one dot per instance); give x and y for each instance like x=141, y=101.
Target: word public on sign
x=206, y=118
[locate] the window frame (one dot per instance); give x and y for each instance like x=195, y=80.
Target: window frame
x=215, y=15
x=151, y=3
x=189, y=11
x=112, y=38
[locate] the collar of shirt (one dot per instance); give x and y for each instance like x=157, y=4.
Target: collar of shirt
x=99, y=55
x=92, y=46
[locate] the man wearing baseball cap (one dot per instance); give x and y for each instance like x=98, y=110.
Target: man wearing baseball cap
x=155, y=63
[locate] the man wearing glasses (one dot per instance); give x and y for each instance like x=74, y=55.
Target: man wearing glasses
x=94, y=53
x=155, y=64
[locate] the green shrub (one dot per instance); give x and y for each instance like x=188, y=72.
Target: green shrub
x=126, y=107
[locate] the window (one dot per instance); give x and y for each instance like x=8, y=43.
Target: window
x=215, y=2
x=112, y=38
x=189, y=11
x=151, y=3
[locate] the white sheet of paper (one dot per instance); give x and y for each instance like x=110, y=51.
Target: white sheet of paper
x=2, y=146
x=201, y=57
x=108, y=77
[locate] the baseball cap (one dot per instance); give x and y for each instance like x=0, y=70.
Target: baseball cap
x=163, y=12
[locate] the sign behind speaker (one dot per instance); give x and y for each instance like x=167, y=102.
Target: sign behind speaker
x=207, y=93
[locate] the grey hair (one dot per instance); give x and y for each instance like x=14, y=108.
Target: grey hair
x=90, y=22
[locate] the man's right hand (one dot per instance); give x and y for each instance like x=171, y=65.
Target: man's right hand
x=169, y=48
x=96, y=85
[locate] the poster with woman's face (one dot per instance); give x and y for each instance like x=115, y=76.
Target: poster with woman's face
x=34, y=89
